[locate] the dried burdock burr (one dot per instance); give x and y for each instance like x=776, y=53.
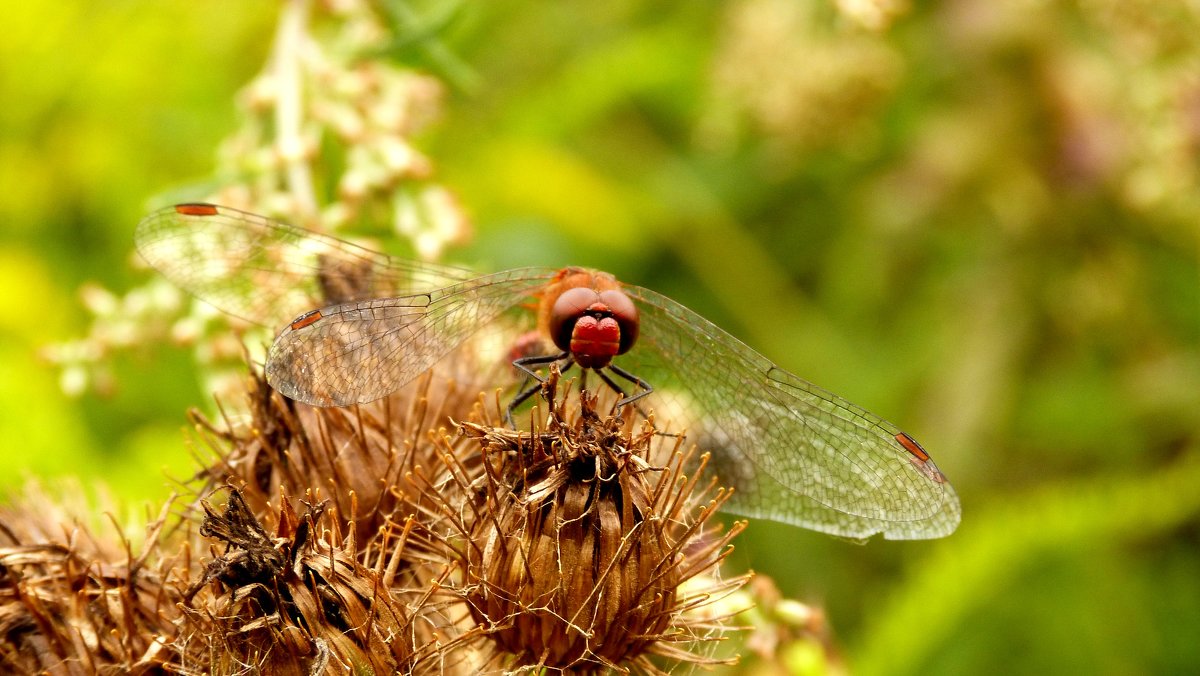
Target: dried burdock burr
x=356, y=457
x=77, y=600
x=345, y=585
x=579, y=539
x=296, y=602
x=373, y=539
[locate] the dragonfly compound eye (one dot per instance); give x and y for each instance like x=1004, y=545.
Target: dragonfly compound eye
x=626, y=314
x=568, y=308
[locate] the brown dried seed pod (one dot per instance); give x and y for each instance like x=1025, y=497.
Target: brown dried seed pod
x=579, y=544
x=356, y=457
x=354, y=462
x=294, y=603
x=74, y=602
x=580, y=547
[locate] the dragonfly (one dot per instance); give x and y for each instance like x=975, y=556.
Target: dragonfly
x=371, y=323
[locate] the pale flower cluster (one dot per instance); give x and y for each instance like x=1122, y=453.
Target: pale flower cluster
x=318, y=120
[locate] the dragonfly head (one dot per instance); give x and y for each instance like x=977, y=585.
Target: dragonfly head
x=594, y=326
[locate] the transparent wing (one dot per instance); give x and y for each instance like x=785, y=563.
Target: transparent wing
x=358, y=352
x=793, y=452
x=267, y=272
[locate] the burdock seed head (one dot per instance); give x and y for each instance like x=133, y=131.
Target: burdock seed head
x=583, y=533
x=372, y=540
x=312, y=568
x=292, y=602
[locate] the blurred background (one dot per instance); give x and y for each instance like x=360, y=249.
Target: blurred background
x=979, y=220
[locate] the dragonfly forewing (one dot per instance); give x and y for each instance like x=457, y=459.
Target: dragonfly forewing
x=359, y=352
x=793, y=452
x=267, y=272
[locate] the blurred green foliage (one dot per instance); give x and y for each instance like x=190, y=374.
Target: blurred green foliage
x=980, y=220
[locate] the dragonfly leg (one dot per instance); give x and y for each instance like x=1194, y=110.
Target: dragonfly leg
x=626, y=398
x=523, y=365
x=646, y=387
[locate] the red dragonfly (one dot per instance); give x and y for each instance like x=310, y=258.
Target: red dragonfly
x=794, y=452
